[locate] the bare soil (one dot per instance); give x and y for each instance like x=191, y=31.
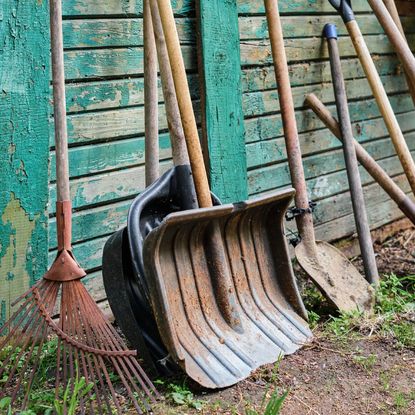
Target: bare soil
x=365, y=375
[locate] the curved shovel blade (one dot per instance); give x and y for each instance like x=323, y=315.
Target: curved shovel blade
x=123, y=269
x=192, y=325
x=337, y=278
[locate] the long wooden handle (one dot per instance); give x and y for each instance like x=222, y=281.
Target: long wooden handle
x=178, y=141
x=393, y=11
x=356, y=191
x=383, y=102
x=398, y=41
x=304, y=222
x=59, y=102
x=185, y=104
x=152, y=168
x=388, y=185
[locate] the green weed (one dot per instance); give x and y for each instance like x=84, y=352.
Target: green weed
x=366, y=362
x=181, y=395
x=273, y=406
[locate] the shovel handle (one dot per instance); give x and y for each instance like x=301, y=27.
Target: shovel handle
x=404, y=203
x=362, y=224
x=185, y=104
x=178, y=142
x=305, y=221
x=382, y=100
x=398, y=41
x=152, y=169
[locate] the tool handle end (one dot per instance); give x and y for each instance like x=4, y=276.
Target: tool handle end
x=330, y=31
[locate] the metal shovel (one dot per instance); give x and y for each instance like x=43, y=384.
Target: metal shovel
x=356, y=191
x=335, y=276
x=220, y=277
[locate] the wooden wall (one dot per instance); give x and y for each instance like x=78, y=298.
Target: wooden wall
x=104, y=66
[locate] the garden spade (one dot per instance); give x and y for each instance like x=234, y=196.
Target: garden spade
x=335, y=276
x=221, y=283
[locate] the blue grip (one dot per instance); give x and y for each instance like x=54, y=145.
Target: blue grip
x=330, y=31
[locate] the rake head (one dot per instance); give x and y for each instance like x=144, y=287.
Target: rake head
x=94, y=372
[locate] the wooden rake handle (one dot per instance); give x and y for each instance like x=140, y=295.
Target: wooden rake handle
x=185, y=104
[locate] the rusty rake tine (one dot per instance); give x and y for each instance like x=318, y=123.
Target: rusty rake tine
x=58, y=366
x=34, y=318
x=35, y=366
x=26, y=294
x=100, y=363
x=20, y=355
x=106, y=332
x=15, y=316
x=77, y=329
x=21, y=318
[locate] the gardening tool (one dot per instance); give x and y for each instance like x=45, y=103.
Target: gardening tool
x=404, y=203
x=220, y=277
x=86, y=343
x=335, y=276
x=393, y=28
x=353, y=175
x=346, y=12
x=123, y=268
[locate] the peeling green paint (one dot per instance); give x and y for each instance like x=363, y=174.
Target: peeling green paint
x=24, y=113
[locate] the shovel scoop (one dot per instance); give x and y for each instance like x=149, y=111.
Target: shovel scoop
x=183, y=283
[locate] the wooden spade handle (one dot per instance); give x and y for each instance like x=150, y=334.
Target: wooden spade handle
x=59, y=102
x=391, y=6
x=398, y=41
x=185, y=104
x=388, y=185
x=304, y=222
x=178, y=141
x=383, y=102
x=150, y=99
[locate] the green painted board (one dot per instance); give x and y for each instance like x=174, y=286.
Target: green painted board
x=24, y=146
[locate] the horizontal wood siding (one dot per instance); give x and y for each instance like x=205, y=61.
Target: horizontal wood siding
x=104, y=69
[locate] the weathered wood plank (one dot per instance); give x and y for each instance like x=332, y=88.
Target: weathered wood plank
x=101, y=63
x=221, y=95
x=319, y=187
x=135, y=7
x=265, y=102
x=129, y=92
x=262, y=153
x=94, y=33
x=24, y=112
x=270, y=126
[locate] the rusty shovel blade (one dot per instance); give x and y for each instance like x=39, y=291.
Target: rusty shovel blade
x=193, y=326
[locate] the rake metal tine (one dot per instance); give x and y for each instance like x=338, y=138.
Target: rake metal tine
x=101, y=363
x=113, y=339
x=35, y=366
x=102, y=334
x=58, y=366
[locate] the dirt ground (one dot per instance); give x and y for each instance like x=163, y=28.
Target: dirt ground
x=364, y=375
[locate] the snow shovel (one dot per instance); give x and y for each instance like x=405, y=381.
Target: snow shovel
x=335, y=276
x=356, y=191
x=220, y=277
x=345, y=10
x=123, y=268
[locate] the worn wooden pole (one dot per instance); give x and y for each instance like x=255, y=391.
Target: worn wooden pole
x=178, y=141
x=152, y=170
x=353, y=175
x=391, y=6
x=397, y=39
x=404, y=203
x=59, y=103
x=185, y=104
